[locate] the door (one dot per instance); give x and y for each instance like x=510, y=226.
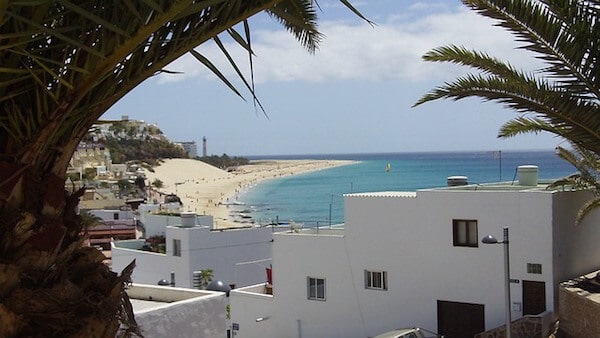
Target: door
x=460, y=320
x=534, y=297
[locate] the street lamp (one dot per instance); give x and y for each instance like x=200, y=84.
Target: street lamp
x=489, y=239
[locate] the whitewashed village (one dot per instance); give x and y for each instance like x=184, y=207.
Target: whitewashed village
x=399, y=260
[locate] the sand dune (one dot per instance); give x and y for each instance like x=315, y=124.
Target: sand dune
x=207, y=190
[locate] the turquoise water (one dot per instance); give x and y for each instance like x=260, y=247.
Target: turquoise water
x=310, y=198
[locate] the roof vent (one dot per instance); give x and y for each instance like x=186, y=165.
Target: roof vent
x=188, y=219
x=528, y=175
x=217, y=285
x=454, y=181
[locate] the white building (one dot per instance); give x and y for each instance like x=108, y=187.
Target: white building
x=156, y=224
x=410, y=259
x=236, y=256
x=148, y=209
x=112, y=214
x=176, y=312
x=190, y=147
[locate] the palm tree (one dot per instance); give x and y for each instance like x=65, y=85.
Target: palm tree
x=562, y=98
x=62, y=65
x=206, y=276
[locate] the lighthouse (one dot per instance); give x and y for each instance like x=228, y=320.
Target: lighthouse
x=204, y=146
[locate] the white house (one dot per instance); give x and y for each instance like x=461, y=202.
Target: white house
x=113, y=214
x=408, y=259
x=237, y=256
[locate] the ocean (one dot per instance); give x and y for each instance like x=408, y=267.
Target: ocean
x=315, y=199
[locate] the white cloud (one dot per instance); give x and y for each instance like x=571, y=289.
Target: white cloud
x=391, y=50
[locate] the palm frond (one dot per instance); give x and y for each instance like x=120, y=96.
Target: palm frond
x=554, y=34
x=586, y=209
x=300, y=19
x=563, y=98
x=478, y=60
x=586, y=163
x=249, y=86
x=82, y=57
x=206, y=62
x=526, y=125
x=521, y=92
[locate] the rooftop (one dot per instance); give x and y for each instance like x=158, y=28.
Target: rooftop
x=384, y=194
x=149, y=297
x=336, y=230
x=541, y=186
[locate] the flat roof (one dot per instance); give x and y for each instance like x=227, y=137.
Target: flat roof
x=141, y=305
x=384, y=194
x=146, y=297
x=542, y=186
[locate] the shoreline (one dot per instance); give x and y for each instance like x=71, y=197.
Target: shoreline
x=207, y=190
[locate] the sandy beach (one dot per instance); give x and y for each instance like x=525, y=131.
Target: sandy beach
x=207, y=190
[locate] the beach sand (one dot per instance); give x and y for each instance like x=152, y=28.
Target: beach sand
x=207, y=190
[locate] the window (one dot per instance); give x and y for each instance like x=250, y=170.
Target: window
x=177, y=247
x=376, y=280
x=316, y=288
x=465, y=232
x=534, y=268
x=116, y=215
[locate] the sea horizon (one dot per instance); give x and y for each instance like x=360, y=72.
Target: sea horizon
x=350, y=156
x=316, y=198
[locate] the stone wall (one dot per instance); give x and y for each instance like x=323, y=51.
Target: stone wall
x=579, y=311
x=526, y=327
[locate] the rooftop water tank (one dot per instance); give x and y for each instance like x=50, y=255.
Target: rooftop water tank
x=528, y=175
x=454, y=181
x=188, y=219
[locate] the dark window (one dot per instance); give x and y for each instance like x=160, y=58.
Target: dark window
x=176, y=247
x=116, y=215
x=376, y=280
x=316, y=288
x=465, y=232
x=534, y=268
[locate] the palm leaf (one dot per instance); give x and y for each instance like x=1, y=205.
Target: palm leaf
x=548, y=34
x=586, y=209
x=563, y=98
x=250, y=87
x=215, y=70
x=299, y=18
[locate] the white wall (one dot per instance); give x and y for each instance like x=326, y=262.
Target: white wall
x=249, y=304
x=108, y=215
x=146, y=263
x=155, y=225
x=203, y=316
x=417, y=237
x=298, y=257
x=221, y=251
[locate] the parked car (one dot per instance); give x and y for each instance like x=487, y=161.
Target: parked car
x=402, y=333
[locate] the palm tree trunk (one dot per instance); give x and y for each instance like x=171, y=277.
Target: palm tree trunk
x=50, y=284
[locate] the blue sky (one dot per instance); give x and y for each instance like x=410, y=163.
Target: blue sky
x=354, y=95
